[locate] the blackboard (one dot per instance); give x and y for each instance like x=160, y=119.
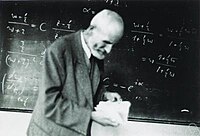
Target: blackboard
x=28, y=28
x=155, y=66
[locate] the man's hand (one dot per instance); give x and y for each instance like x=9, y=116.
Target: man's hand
x=112, y=96
x=106, y=118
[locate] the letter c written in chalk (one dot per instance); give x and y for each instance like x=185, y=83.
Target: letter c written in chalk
x=42, y=27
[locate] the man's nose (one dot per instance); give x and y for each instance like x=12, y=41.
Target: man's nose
x=108, y=48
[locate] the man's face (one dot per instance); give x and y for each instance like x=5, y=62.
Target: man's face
x=101, y=42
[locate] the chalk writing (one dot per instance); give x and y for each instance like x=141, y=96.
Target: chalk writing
x=67, y=25
x=23, y=100
x=164, y=63
x=162, y=60
x=145, y=39
x=63, y=27
x=19, y=55
x=180, y=45
x=167, y=60
x=113, y=2
x=142, y=34
x=42, y=60
x=23, y=61
x=42, y=27
x=88, y=10
x=13, y=83
x=35, y=84
x=20, y=17
x=138, y=91
x=150, y=40
x=180, y=31
x=166, y=71
x=144, y=27
x=15, y=30
x=19, y=20
x=19, y=25
x=22, y=46
x=107, y=83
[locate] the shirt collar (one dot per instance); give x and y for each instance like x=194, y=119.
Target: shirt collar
x=85, y=47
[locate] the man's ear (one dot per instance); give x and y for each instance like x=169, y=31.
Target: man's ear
x=89, y=30
x=91, y=27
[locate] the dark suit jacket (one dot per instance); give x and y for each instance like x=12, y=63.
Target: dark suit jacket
x=65, y=100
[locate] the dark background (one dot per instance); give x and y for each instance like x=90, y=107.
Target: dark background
x=155, y=66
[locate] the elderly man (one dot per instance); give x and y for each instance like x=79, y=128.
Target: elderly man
x=71, y=82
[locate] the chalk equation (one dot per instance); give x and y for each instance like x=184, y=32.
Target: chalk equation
x=182, y=31
x=22, y=55
x=107, y=83
x=142, y=33
x=19, y=25
x=20, y=20
x=24, y=60
x=15, y=83
x=137, y=91
x=180, y=45
x=165, y=64
x=143, y=39
x=62, y=27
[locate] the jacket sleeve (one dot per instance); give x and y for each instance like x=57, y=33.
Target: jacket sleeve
x=60, y=110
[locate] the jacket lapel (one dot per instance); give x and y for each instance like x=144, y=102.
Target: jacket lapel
x=82, y=70
x=84, y=82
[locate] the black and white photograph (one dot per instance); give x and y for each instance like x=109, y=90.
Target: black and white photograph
x=99, y=68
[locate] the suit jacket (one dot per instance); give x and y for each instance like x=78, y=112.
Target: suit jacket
x=65, y=100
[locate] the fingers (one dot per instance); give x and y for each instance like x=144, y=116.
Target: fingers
x=114, y=123
x=113, y=118
x=112, y=96
x=117, y=97
x=105, y=119
x=110, y=122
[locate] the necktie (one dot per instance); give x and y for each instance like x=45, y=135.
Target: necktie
x=91, y=59
x=91, y=63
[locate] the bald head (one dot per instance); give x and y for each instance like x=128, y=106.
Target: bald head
x=106, y=15
x=106, y=29
x=108, y=21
